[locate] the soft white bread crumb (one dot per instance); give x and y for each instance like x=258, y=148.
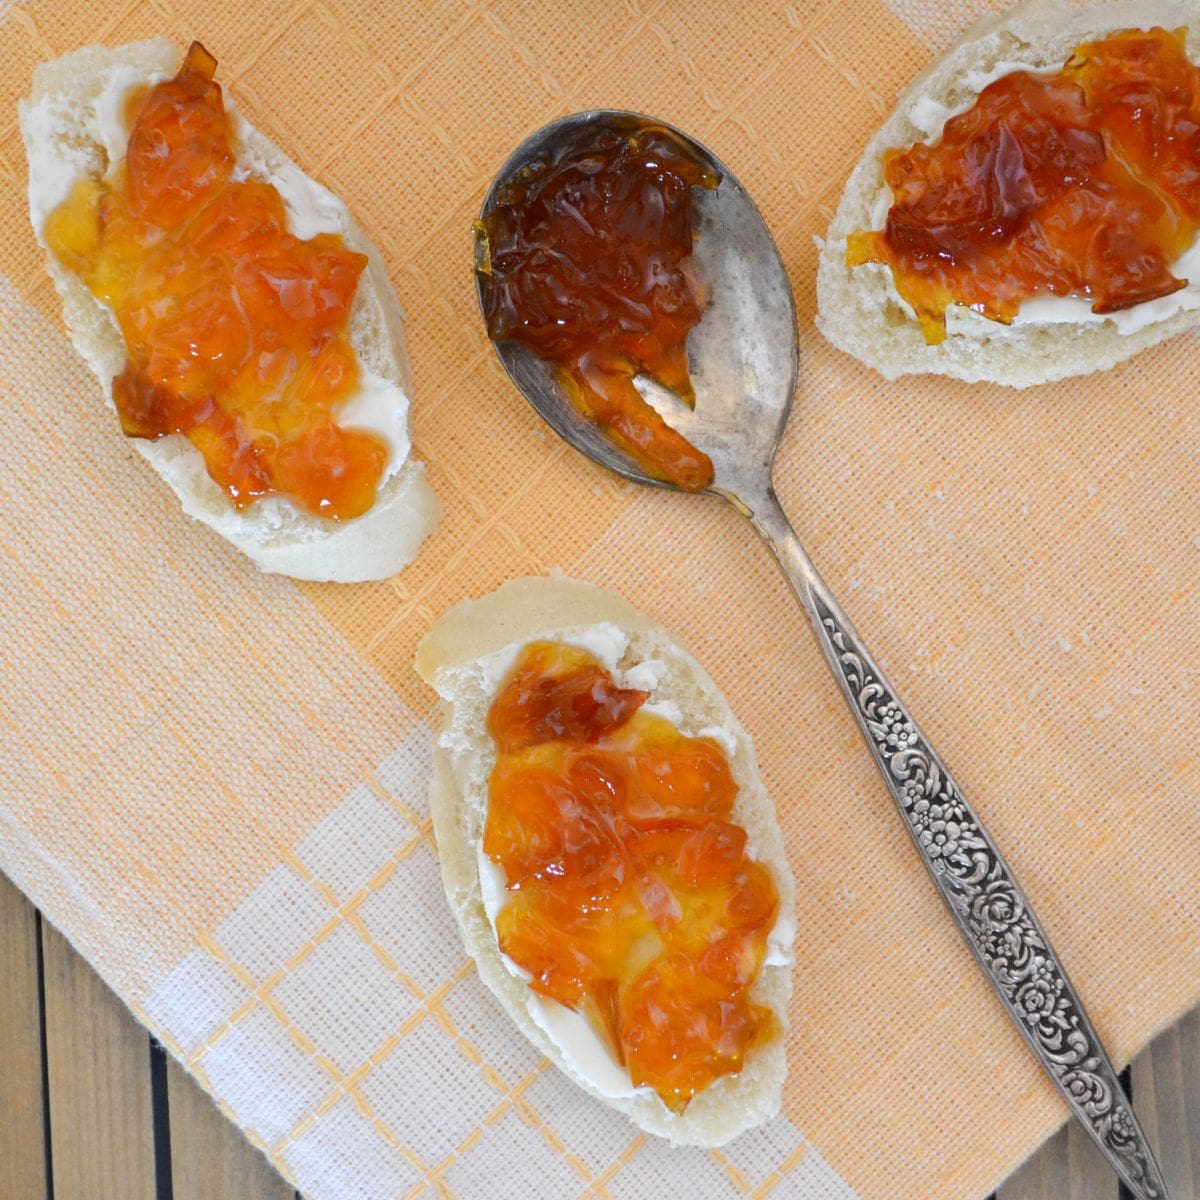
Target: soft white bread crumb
x=449, y=659
x=64, y=140
x=859, y=310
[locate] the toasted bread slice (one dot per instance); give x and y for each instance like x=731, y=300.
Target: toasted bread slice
x=68, y=126
x=860, y=310
x=463, y=657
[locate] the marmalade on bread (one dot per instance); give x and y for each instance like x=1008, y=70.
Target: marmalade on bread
x=585, y=265
x=631, y=898
x=236, y=332
x=1081, y=183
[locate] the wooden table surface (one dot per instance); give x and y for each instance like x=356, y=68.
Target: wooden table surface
x=91, y=1108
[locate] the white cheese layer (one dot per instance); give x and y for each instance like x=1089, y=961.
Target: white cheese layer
x=584, y=1050
x=378, y=406
x=930, y=117
x=110, y=110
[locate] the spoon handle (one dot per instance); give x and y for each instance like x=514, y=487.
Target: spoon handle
x=970, y=873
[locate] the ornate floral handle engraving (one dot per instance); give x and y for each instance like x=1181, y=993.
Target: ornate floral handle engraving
x=973, y=879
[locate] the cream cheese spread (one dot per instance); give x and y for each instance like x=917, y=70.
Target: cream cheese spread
x=930, y=117
x=583, y=1049
x=378, y=406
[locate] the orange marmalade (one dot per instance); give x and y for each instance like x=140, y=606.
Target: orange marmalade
x=236, y=332
x=587, y=267
x=1081, y=183
x=631, y=899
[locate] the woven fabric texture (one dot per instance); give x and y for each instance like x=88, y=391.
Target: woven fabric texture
x=214, y=780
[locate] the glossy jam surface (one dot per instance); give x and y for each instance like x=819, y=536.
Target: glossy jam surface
x=631, y=898
x=1082, y=183
x=235, y=331
x=588, y=268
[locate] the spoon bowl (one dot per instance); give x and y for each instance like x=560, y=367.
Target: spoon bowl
x=743, y=362
x=743, y=356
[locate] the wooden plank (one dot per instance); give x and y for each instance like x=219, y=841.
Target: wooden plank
x=1166, y=1087
x=210, y=1160
x=22, y=1130
x=98, y=1058
x=1068, y=1167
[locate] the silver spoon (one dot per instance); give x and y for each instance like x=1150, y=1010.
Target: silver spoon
x=744, y=357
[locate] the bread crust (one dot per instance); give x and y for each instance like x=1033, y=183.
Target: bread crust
x=61, y=130
x=448, y=659
x=859, y=310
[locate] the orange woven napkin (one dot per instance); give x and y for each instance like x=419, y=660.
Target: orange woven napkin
x=214, y=780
